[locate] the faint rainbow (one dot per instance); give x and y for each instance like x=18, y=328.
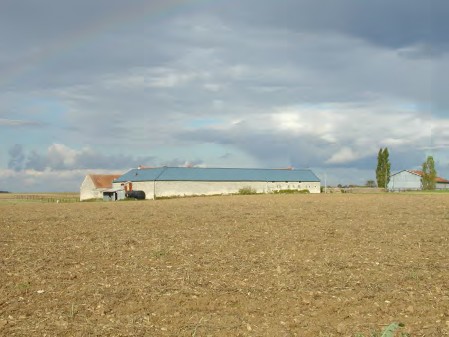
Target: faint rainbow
x=94, y=29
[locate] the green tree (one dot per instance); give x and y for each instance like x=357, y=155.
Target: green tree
x=370, y=183
x=429, y=177
x=383, y=168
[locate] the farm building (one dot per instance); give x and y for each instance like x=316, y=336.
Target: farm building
x=411, y=180
x=187, y=181
x=94, y=185
x=114, y=194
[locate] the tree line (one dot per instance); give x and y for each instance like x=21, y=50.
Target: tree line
x=428, y=179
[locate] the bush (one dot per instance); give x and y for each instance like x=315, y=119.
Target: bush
x=247, y=190
x=292, y=192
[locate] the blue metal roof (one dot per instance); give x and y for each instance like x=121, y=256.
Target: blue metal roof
x=216, y=174
x=140, y=175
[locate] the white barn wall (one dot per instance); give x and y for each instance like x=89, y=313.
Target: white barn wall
x=184, y=188
x=313, y=187
x=187, y=188
x=442, y=186
x=88, y=190
x=94, y=185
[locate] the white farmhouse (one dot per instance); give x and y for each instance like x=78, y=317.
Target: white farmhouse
x=94, y=185
x=188, y=181
x=407, y=180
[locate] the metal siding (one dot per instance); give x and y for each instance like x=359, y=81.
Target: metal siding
x=404, y=180
x=442, y=186
x=111, y=194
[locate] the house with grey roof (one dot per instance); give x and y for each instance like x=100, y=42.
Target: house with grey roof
x=189, y=181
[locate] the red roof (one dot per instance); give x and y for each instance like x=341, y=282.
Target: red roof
x=438, y=179
x=103, y=180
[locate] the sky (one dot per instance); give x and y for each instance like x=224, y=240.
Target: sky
x=107, y=85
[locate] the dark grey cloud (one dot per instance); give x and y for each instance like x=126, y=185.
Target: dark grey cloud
x=16, y=157
x=48, y=20
x=59, y=43
x=219, y=73
x=268, y=146
x=36, y=161
x=393, y=24
x=53, y=43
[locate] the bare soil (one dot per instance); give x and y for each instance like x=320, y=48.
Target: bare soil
x=263, y=265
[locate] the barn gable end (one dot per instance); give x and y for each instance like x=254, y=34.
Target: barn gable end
x=411, y=180
x=93, y=185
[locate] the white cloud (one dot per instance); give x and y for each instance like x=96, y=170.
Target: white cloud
x=169, y=78
x=49, y=180
x=16, y=123
x=60, y=157
x=59, y=154
x=215, y=87
x=344, y=155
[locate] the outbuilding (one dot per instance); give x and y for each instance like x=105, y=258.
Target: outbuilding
x=189, y=181
x=114, y=194
x=409, y=180
x=94, y=185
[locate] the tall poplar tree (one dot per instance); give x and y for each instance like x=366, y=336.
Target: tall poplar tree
x=429, y=177
x=383, y=168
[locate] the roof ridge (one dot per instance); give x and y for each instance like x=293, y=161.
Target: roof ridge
x=224, y=168
x=421, y=173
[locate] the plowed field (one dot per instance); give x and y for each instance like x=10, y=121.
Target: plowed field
x=263, y=265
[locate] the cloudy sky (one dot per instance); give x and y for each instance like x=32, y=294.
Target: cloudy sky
x=103, y=86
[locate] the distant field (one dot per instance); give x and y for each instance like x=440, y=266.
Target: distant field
x=261, y=265
x=428, y=192
x=39, y=197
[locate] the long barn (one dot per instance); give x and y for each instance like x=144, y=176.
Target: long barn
x=189, y=181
